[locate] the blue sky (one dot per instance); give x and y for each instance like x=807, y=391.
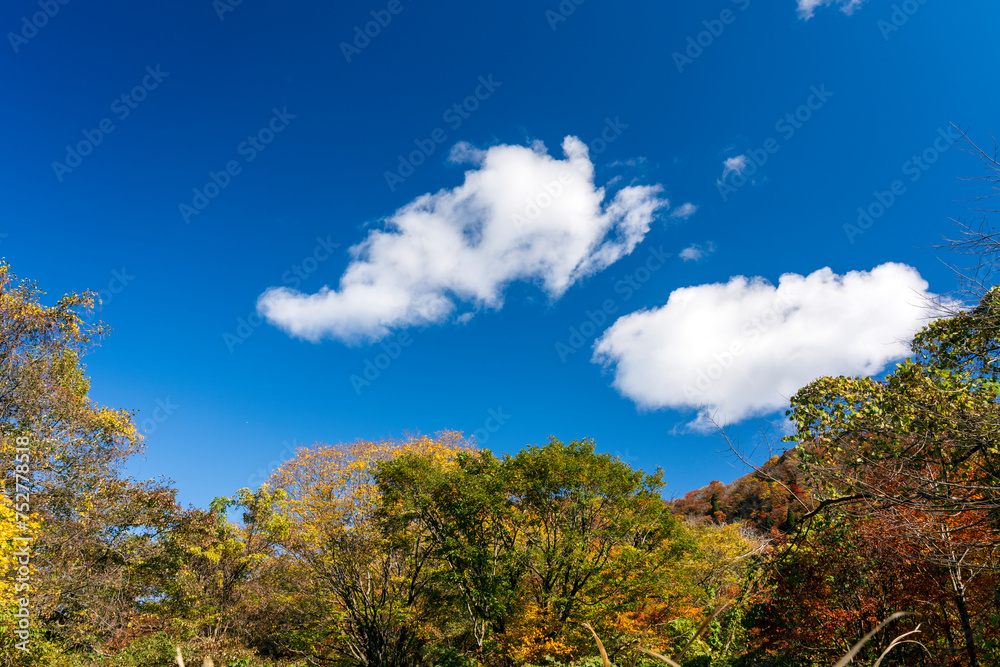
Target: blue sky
x=211, y=167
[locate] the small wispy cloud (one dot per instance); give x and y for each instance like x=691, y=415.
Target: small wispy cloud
x=734, y=165
x=696, y=252
x=808, y=7
x=631, y=162
x=684, y=211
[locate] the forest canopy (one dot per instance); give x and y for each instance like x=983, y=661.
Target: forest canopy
x=430, y=550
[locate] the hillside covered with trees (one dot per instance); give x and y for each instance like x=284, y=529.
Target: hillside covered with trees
x=772, y=495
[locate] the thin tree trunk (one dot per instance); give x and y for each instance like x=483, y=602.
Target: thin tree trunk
x=963, y=615
x=958, y=587
x=947, y=627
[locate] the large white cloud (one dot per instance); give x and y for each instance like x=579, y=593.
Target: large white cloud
x=743, y=348
x=521, y=214
x=807, y=7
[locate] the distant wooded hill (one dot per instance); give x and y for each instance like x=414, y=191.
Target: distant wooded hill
x=764, y=498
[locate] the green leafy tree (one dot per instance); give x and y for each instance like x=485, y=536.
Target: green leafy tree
x=534, y=544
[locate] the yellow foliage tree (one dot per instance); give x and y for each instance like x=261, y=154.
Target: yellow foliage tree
x=366, y=587
x=81, y=509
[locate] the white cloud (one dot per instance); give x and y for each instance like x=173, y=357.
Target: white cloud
x=684, y=211
x=520, y=215
x=743, y=348
x=696, y=252
x=807, y=7
x=734, y=165
x=631, y=162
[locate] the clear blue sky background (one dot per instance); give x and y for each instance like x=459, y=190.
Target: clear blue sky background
x=234, y=412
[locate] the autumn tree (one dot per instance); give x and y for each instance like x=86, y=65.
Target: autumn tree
x=96, y=526
x=830, y=586
x=214, y=575
x=919, y=449
x=534, y=544
x=714, y=581
x=365, y=589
